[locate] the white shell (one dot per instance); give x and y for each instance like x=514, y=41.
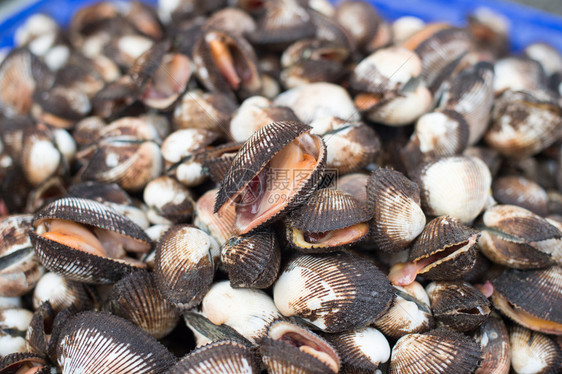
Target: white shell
x=17, y=319
x=531, y=352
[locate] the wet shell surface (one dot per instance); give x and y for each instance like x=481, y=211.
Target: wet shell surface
x=184, y=265
x=97, y=342
x=410, y=313
x=458, y=305
x=137, y=299
x=493, y=338
x=520, y=191
x=533, y=352
x=532, y=298
x=394, y=202
x=222, y=357
x=464, y=196
x=252, y=260
x=68, y=250
x=275, y=170
x=334, y=292
x=361, y=350
x=436, y=351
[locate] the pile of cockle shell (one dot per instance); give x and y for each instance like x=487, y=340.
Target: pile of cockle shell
x=286, y=186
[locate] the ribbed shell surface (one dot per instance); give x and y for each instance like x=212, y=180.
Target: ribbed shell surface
x=328, y=209
x=78, y=265
x=184, y=267
x=436, y=351
x=282, y=358
x=262, y=146
x=222, y=357
x=520, y=191
x=92, y=213
x=439, y=234
x=394, y=203
x=97, y=342
x=537, y=292
x=533, y=349
x=252, y=260
x=334, y=292
x=137, y=299
x=494, y=341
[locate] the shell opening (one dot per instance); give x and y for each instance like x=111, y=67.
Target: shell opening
x=333, y=238
x=403, y=274
x=230, y=61
x=278, y=183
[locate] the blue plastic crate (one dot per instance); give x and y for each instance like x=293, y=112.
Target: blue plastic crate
x=527, y=24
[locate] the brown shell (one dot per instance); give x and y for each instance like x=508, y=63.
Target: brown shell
x=201, y=326
x=537, y=293
x=38, y=333
x=184, y=267
x=493, y=339
x=394, y=202
x=471, y=94
x=524, y=123
x=137, y=299
x=282, y=358
x=520, y=191
x=436, y=351
x=222, y=357
x=17, y=361
x=458, y=305
x=533, y=349
x=328, y=209
x=518, y=238
x=217, y=160
x=103, y=343
x=334, y=292
x=354, y=184
x=252, y=260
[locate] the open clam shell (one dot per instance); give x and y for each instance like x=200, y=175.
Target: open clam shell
x=24, y=363
x=137, y=299
x=458, y=305
x=73, y=251
x=361, y=350
x=518, y=238
x=252, y=260
x=532, y=298
x=103, y=343
x=436, y=351
x=184, y=265
x=275, y=170
x=394, y=202
x=289, y=348
x=222, y=357
x=334, y=292
x=329, y=220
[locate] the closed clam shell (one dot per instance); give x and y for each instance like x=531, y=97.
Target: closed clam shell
x=204, y=110
x=458, y=305
x=40, y=158
x=361, y=350
x=62, y=293
x=518, y=238
x=222, y=357
x=436, y=351
x=217, y=161
x=449, y=246
x=137, y=299
x=169, y=198
x=206, y=332
x=471, y=94
x=184, y=266
x=410, y=312
x=533, y=352
x=275, y=170
x=354, y=184
x=80, y=265
x=394, y=202
x=457, y=186
x=252, y=260
x=248, y=311
x=493, y=339
x=20, y=269
x=334, y=292
x=103, y=343
x=290, y=348
x=524, y=123
x=14, y=322
x=518, y=73
x=517, y=190
x=532, y=298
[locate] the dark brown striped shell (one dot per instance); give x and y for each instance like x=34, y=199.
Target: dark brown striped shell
x=521, y=191
x=184, y=266
x=282, y=358
x=334, y=292
x=252, y=260
x=493, y=339
x=222, y=357
x=436, y=351
x=533, y=298
x=15, y=362
x=103, y=343
x=394, y=202
x=137, y=299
